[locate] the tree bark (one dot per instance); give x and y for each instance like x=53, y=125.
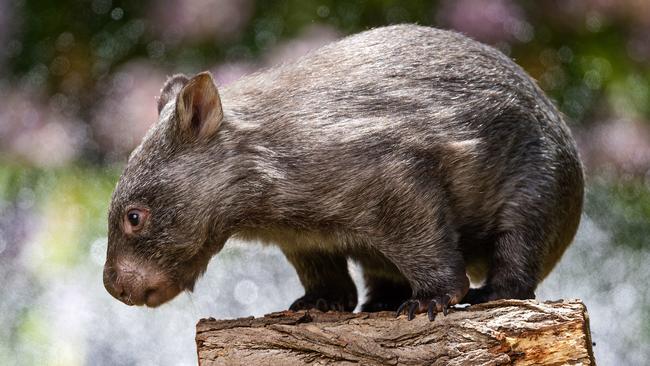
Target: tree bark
x=502, y=332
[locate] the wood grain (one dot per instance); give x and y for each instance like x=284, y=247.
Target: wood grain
x=502, y=332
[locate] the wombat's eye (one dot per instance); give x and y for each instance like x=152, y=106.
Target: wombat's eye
x=134, y=217
x=134, y=220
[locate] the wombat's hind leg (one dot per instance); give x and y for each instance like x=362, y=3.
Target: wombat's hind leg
x=326, y=280
x=386, y=287
x=514, y=269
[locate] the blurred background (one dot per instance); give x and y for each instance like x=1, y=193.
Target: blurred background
x=77, y=86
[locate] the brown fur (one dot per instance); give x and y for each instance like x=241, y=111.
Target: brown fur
x=418, y=152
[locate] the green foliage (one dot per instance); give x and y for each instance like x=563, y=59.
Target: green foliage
x=72, y=203
x=73, y=48
x=90, y=37
x=580, y=67
x=622, y=208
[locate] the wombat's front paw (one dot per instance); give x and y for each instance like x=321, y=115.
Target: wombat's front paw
x=324, y=303
x=433, y=304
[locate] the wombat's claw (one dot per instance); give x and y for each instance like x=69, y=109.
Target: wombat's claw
x=432, y=311
x=412, y=306
x=433, y=307
x=445, y=304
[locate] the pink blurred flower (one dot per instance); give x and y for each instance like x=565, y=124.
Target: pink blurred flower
x=621, y=145
x=128, y=107
x=192, y=19
x=32, y=131
x=312, y=37
x=228, y=72
x=638, y=46
x=488, y=21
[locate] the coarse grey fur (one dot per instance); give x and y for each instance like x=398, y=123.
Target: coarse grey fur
x=418, y=152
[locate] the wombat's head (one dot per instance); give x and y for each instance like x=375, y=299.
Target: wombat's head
x=161, y=230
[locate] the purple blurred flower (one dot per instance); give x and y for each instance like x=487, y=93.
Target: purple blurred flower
x=488, y=21
x=312, y=37
x=620, y=145
x=31, y=130
x=228, y=72
x=638, y=46
x=191, y=19
x=128, y=108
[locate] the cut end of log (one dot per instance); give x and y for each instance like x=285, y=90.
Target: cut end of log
x=504, y=332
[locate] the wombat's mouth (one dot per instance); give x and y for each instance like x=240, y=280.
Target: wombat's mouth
x=139, y=284
x=159, y=296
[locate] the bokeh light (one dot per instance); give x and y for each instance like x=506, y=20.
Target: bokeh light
x=78, y=82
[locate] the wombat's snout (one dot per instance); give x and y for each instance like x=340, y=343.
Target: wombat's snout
x=134, y=283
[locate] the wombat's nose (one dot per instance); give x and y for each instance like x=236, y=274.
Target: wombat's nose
x=115, y=287
x=136, y=283
x=121, y=295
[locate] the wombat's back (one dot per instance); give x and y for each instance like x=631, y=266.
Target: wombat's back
x=415, y=79
x=417, y=88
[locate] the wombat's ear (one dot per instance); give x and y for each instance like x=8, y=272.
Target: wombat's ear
x=171, y=89
x=198, y=107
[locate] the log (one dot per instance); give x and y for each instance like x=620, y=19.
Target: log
x=504, y=332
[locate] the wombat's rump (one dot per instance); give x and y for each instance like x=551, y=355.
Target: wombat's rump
x=417, y=152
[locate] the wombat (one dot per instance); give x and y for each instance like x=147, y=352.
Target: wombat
x=420, y=153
